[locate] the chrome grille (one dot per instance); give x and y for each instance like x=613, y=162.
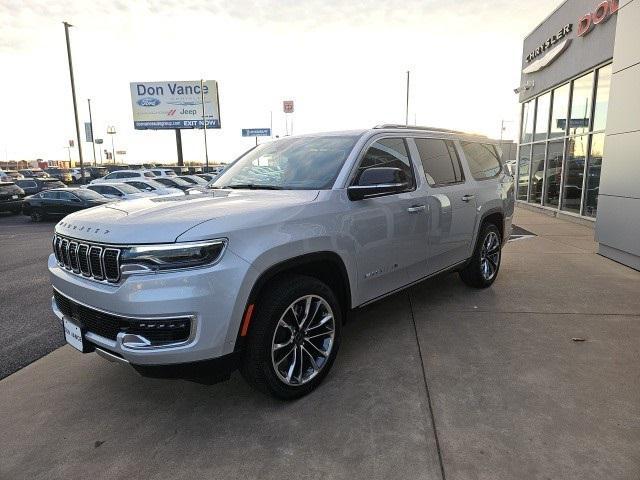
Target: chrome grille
x=83, y=259
x=73, y=256
x=87, y=259
x=95, y=262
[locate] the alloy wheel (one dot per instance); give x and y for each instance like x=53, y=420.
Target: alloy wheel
x=490, y=256
x=303, y=340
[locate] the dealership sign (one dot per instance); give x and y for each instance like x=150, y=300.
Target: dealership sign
x=601, y=14
x=256, y=132
x=549, y=50
x=175, y=105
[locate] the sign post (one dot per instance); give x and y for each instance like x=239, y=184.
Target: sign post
x=287, y=107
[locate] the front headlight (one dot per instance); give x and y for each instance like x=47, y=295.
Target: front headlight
x=171, y=256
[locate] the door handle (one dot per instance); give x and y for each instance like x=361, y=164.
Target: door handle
x=416, y=208
x=467, y=198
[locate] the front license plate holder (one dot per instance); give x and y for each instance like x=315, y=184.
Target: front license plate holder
x=74, y=335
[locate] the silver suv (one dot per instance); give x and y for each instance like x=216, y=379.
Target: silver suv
x=259, y=272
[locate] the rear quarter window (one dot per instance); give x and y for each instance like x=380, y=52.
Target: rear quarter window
x=483, y=159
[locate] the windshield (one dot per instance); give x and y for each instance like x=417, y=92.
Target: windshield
x=87, y=194
x=302, y=163
x=173, y=181
x=48, y=184
x=128, y=188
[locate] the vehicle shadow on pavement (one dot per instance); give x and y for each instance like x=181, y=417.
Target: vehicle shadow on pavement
x=80, y=416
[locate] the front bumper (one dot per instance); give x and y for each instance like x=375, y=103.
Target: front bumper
x=213, y=298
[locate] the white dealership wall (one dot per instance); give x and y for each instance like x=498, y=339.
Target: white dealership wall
x=618, y=219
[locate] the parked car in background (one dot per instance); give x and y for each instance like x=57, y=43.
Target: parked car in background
x=193, y=179
x=174, y=182
x=4, y=177
x=149, y=185
x=59, y=202
x=15, y=175
x=11, y=196
x=34, y=173
x=97, y=172
x=29, y=185
x=112, y=167
x=300, y=231
x=180, y=170
x=119, y=175
x=63, y=174
x=118, y=191
x=163, y=172
x=207, y=176
x=48, y=183
x=194, y=170
x=75, y=174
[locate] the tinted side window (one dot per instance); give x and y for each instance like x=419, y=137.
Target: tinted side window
x=440, y=161
x=111, y=176
x=149, y=174
x=388, y=152
x=483, y=159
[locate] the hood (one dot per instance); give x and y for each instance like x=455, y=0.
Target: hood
x=164, y=219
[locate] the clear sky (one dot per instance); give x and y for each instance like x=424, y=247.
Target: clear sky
x=342, y=62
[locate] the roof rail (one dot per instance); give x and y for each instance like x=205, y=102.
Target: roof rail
x=417, y=127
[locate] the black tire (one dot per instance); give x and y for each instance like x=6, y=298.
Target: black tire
x=474, y=273
x=258, y=367
x=37, y=215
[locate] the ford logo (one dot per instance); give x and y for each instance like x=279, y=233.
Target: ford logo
x=148, y=102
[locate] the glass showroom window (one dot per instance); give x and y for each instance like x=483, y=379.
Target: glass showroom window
x=574, y=173
x=581, y=104
x=602, y=99
x=537, y=172
x=523, y=171
x=559, y=111
x=593, y=175
x=553, y=173
x=542, y=117
x=527, y=121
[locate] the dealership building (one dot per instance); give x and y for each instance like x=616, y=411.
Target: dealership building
x=579, y=144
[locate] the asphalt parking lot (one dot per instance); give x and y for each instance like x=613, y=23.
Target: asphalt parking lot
x=437, y=382
x=27, y=329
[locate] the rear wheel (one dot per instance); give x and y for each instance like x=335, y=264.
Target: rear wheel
x=483, y=267
x=37, y=215
x=294, y=337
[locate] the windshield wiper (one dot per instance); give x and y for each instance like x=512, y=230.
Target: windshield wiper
x=254, y=186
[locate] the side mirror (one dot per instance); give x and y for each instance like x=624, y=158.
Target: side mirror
x=378, y=181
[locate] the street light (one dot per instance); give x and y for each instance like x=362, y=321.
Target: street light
x=111, y=130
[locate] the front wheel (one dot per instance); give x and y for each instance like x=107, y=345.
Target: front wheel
x=483, y=267
x=37, y=215
x=294, y=337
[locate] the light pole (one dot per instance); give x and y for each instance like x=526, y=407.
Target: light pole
x=73, y=95
x=93, y=144
x=406, y=117
x=111, y=130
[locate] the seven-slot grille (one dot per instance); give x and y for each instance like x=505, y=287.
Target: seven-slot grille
x=87, y=259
